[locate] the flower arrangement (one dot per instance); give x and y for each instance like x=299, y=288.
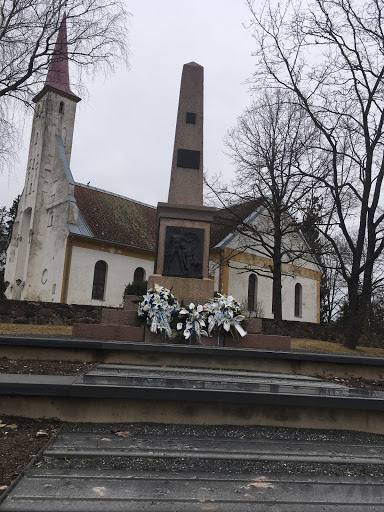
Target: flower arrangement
x=224, y=313
x=159, y=309
x=191, y=320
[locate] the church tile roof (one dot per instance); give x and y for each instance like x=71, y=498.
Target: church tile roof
x=114, y=218
x=227, y=220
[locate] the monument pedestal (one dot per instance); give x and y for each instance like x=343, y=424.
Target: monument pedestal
x=182, y=255
x=187, y=290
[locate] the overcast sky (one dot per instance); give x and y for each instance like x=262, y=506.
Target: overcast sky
x=124, y=129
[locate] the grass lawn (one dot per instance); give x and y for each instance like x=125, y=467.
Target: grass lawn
x=35, y=329
x=327, y=346
x=297, y=343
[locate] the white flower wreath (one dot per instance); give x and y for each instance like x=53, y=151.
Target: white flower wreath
x=158, y=309
x=224, y=313
x=191, y=322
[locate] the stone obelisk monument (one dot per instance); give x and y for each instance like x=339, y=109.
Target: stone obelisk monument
x=183, y=223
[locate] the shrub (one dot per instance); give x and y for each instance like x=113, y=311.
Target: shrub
x=136, y=288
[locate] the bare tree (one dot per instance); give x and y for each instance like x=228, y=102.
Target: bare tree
x=329, y=55
x=332, y=289
x=97, y=38
x=270, y=146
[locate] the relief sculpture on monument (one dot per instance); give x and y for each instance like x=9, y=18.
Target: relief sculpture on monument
x=184, y=252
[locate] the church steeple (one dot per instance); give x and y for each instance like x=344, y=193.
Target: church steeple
x=58, y=73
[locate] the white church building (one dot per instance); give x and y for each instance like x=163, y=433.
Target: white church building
x=77, y=244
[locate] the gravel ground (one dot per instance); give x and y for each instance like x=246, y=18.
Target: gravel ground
x=21, y=439
x=351, y=382
x=223, y=466
x=215, y=466
x=230, y=431
x=27, y=366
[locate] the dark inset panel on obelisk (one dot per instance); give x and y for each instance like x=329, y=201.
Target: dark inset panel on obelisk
x=190, y=118
x=183, y=255
x=188, y=159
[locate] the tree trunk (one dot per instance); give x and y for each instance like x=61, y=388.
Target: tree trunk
x=365, y=307
x=276, y=290
x=353, y=317
x=276, y=297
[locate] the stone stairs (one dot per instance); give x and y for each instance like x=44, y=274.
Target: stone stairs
x=173, y=468
x=154, y=437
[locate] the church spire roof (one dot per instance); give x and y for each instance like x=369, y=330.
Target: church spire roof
x=58, y=72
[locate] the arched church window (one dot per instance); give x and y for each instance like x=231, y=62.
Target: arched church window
x=99, y=276
x=139, y=274
x=252, y=292
x=61, y=107
x=44, y=276
x=298, y=299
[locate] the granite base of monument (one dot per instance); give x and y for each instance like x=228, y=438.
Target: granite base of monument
x=121, y=325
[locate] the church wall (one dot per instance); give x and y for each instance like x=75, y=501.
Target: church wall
x=303, y=272
x=120, y=271
x=238, y=287
x=298, y=245
x=44, y=278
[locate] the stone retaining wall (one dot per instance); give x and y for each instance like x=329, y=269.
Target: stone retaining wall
x=326, y=332
x=47, y=313
x=51, y=313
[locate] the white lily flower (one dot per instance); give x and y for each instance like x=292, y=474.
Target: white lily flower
x=179, y=326
x=191, y=306
x=187, y=334
x=227, y=325
x=199, y=308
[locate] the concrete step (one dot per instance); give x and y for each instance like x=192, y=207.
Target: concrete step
x=132, y=381
x=100, y=445
x=68, y=348
x=192, y=395
x=118, y=490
